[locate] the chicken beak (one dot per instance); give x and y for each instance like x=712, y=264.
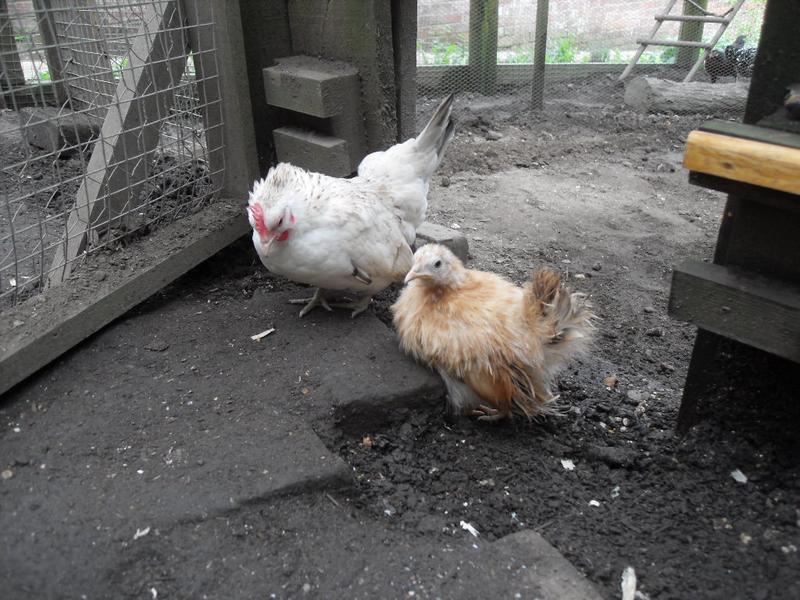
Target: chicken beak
x=268, y=244
x=412, y=274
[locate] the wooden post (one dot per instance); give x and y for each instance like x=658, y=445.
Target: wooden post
x=11, y=74
x=540, y=54
x=215, y=37
x=130, y=131
x=483, y=15
x=776, y=61
x=691, y=31
x=52, y=53
x=404, y=35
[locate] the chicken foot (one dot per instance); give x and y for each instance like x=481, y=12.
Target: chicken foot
x=358, y=306
x=318, y=299
x=489, y=414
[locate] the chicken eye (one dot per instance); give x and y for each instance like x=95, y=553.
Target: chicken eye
x=280, y=222
x=437, y=264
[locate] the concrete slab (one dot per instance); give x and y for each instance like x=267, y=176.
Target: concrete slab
x=546, y=574
x=431, y=233
x=313, y=151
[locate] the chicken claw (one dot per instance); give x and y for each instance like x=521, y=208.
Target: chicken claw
x=358, y=306
x=489, y=414
x=318, y=299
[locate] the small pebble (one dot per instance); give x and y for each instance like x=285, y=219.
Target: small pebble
x=654, y=332
x=99, y=275
x=445, y=182
x=6, y=474
x=649, y=309
x=493, y=135
x=597, y=266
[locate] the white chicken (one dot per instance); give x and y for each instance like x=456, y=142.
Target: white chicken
x=348, y=234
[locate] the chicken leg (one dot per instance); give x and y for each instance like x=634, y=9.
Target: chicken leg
x=318, y=299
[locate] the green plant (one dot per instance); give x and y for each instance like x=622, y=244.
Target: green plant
x=668, y=55
x=564, y=51
x=599, y=55
x=118, y=65
x=44, y=75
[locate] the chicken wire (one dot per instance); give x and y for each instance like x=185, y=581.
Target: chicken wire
x=589, y=43
x=114, y=78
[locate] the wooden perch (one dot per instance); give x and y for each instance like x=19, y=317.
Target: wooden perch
x=650, y=94
x=758, y=163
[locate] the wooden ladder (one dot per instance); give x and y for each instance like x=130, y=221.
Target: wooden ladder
x=722, y=20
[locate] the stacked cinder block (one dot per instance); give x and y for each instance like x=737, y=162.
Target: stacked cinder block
x=324, y=100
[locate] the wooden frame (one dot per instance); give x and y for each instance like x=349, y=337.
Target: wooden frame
x=22, y=354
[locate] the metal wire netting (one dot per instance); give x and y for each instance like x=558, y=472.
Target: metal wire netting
x=489, y=46
x=106, y=110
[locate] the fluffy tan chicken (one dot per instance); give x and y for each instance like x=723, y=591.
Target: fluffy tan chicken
x=497, y=346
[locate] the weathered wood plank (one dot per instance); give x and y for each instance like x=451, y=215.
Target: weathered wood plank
x=755, y=310
x=21, y=356
x=748, y=161
x=130, y=132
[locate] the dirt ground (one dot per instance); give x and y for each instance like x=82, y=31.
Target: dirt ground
x=598, y=193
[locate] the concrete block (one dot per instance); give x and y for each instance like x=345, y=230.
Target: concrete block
x=57, y=130
x=312, y=151
x=312, y=86
x=430, y=233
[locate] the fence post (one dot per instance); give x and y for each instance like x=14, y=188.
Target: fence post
x=691, y=31
x=483, y=43
x=44, y=20
x=11, y=75
x=540, y=54
x=216, y=40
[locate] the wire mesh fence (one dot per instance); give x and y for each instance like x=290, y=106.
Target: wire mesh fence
x=110, y=127
x=489, y=46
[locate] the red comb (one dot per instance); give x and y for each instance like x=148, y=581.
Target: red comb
x=258, y=217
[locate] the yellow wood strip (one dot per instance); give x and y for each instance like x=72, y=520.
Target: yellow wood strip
x=758, y=163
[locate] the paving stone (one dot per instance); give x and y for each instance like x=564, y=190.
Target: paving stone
x=431, y=233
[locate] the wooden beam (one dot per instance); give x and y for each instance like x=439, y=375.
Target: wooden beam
x=130, y=132
x=755, y=310
x=758, y=163
x=69, y=323
x=215, y=37
x=540, y=54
